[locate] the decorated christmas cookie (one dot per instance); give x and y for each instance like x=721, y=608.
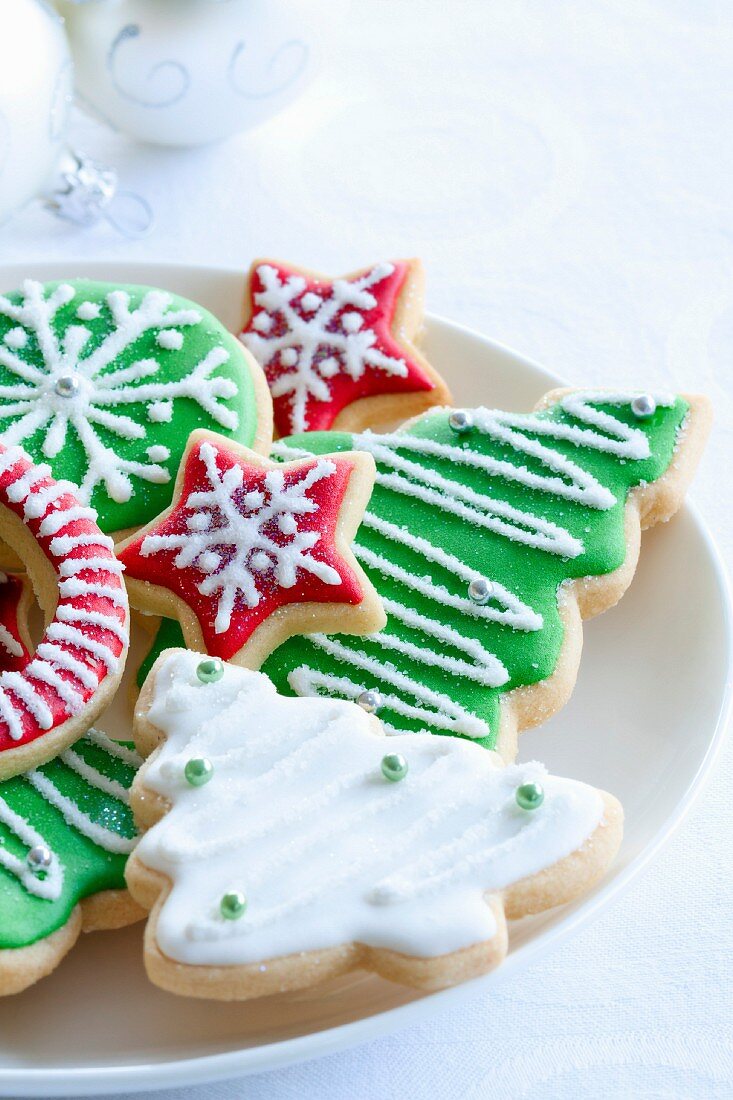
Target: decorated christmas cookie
x=15, y=597
x=251, y=551
x=290, y=841
x=489, y=536
x=105, y=383
x=66, y=831
x=340, y=353
x=48, y=702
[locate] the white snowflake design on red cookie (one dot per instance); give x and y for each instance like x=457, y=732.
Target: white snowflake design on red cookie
x=325, y=344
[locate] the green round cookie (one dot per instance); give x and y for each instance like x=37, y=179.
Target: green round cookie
x=105, y=383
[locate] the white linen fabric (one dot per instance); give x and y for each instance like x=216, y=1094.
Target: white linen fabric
x=565, y=170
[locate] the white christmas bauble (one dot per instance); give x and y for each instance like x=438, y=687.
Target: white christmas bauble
x=190, y=71
x=35, y=94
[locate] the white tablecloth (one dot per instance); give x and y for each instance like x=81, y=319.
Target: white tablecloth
x=565, y=171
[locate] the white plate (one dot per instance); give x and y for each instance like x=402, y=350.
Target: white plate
x=646, y=721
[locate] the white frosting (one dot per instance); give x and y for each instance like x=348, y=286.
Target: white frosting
x=227, y=541
x=321, y=323
x=299, y=817
x=103, y=393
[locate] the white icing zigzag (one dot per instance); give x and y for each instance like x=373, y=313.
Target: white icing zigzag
x=49, y=885
x=224, y=524
x=299, y=817
x=312, y=329
x=403, y=475
x=103, y=393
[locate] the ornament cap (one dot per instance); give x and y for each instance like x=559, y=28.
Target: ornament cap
x=87, y=193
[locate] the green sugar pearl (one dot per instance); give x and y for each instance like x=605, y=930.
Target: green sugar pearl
x=394, y=767
x=530, y=796
x=210, y=670
x=233, y=905
x=198, y=771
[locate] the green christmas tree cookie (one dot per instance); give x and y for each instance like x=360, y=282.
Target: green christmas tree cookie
x=488, y=536
x=105, y=383
x=66, y=830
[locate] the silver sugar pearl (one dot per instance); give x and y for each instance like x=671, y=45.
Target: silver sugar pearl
x=39, y=857
x=461, y=421
x=643, y=406
x=67, y=385
x=479, y=590
x=370, y=701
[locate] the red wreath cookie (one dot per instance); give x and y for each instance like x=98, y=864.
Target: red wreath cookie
x=340, y=353
x=47, y=702
x=252, y=551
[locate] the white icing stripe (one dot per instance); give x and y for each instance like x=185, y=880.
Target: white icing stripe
x=48, y=885
x=57, y=655
x=72, y=587
x=10, y=716
x=309, y=682
x=54, y=521
x=482, y=511
x=64, y=544
x=61, y=632
x=71, y=566
x=10, y=644
x=77, y=819
x=47, y=674
x=94, y=777
x=18, y=490
x=580, y=487
x=10, y=457
x=325, y=835
x=67, y=614
x=42, y=499
x=513, y=611
x=486, y=669
x=113, y=748
x=16, y=682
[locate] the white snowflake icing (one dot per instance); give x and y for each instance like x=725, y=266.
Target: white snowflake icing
x=325, y=322
x=77, y=387
x=227, y=538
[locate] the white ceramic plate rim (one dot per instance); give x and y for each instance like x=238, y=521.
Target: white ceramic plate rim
x=216, y=1067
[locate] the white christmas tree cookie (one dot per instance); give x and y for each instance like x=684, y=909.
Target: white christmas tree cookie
x=290, y=840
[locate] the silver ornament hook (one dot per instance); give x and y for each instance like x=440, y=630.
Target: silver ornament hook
x=87, y=193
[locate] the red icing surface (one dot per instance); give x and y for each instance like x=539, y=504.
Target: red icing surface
x=159, y=567
x=20, y=483
x=343, y=389
x=11, y=591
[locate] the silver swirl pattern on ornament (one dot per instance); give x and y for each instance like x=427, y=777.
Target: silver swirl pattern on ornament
x=178, y=73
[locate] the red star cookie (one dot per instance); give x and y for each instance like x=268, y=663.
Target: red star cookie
x=251, y=551
x=340, y=353
x=14, y=640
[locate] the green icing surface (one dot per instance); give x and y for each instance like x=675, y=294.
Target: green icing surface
x=529, y=573
x=88, y=868
x=22, y=399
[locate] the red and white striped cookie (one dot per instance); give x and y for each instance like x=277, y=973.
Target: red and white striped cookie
x=50, y=701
